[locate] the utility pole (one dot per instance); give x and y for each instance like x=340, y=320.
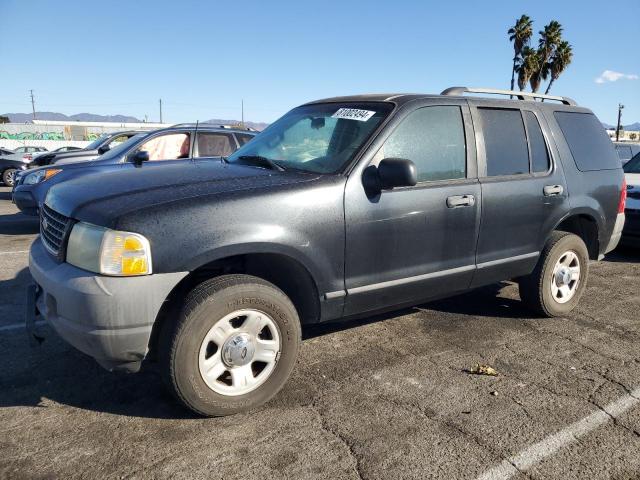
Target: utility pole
x=160, y=110
x=33, y=104
x=620, y=107
x=243, y=113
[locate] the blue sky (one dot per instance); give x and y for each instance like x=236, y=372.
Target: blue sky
x=203, y=58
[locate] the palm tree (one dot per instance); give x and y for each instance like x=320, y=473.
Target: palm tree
x=519, y=34
x=528, y=64
x=561, y=59
x=550, y=37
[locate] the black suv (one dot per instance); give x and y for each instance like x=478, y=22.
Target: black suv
x=341, y=208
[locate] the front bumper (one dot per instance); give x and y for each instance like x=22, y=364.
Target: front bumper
x=25, y=200
x=108, y=318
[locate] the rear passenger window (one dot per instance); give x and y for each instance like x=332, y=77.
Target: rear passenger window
x=539, y=152
x=590, y=145
x=433, y=138
x=505, y=142
x=214, y=144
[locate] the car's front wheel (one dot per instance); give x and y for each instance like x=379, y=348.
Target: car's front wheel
x=8, y=176
x=233, y=347
x=556, y=284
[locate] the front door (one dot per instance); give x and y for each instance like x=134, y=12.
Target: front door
x=414, y=243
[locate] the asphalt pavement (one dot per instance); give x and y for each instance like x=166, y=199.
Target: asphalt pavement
x=383, y=398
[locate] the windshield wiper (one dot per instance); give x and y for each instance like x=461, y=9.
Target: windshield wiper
x=260, y=161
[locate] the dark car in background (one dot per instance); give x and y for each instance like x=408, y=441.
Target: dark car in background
x=96, y=148
x=5, y=151
x=177, y=143
x=626, y=150
x=631, y=232
x=8, y=168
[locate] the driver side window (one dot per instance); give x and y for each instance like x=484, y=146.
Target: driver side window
x=172, y=146
x=433, y=139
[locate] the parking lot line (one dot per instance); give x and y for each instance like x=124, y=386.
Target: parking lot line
x=15, y=251
x=537, y=452
x=16, y=326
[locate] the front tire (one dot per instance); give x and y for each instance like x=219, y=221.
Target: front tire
x=233, y=347
x=8, y=176
x=555, y=286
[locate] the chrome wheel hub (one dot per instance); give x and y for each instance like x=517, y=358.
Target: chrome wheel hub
x=238, y=350
x=565, y=277
x=239, y=353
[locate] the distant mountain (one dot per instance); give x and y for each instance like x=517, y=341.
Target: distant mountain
x=78, y=117
x=631, y=127
x=92, y=117
x=256, y=125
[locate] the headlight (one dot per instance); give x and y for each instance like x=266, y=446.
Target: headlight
x=109, y=252
x=34, y=178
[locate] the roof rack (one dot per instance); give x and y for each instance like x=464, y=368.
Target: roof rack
x=527, y=96
x=216, y=125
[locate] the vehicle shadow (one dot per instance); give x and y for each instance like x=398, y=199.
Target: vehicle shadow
x=18, y=224
x=34, y=375
x=623, y=254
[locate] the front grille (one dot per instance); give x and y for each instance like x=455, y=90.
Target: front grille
x=54, y=230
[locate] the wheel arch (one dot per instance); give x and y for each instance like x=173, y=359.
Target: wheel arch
x=585, y=225
x=285, y=271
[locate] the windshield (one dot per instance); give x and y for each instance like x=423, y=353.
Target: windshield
x=319, y=138
x=96, y=143
x=115, y=151
x=633, y=165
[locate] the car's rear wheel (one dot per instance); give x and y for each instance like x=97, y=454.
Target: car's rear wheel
x=233, y=347
x=8, y=176
x=560, y=277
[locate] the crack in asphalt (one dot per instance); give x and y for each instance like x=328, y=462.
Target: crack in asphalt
x=348, y=444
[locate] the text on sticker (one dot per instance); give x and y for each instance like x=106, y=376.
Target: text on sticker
x=354, y=114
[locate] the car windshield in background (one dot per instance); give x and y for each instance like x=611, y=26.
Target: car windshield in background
x=633, y=165
x=124, y=146
x=319, y=138
x=119, y=150
x=96, y=143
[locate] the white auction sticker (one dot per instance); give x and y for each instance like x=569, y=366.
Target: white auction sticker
x=354, y=114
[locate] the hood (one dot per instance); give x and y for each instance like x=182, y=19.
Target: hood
x=102, y=198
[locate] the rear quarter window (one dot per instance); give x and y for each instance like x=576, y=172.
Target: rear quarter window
x=590, y=146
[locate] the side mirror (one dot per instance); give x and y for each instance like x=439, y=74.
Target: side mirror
x=390, y=173
x=140, y=157
x=103, y=149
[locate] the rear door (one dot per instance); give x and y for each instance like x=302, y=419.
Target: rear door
x=214, y=144
x=410, y=244
x=524, y=192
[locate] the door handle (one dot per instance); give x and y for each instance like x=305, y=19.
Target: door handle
x=461, y=201
x=553, y=190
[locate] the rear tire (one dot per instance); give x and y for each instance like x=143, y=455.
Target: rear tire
x=233, y=346
x=555, y=286
x=8, y=176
